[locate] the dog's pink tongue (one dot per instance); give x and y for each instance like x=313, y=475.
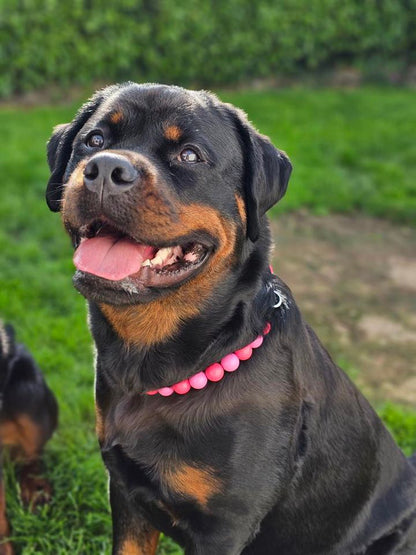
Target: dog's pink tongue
x=111, y=258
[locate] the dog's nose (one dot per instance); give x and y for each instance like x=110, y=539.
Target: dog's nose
x=109, y=173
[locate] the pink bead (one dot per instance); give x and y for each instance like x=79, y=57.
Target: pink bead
x=244, y=353
x=198, y=381
x=152, y=392
x=267, y=328
x=230, y=362
x=257, y=342
x=165, y=391
x=182, y=387
x=215, y=372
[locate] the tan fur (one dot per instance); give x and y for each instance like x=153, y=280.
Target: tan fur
x=23, y=435
x=155, y=201
x=241, y=206
x=158, y=218
x=145, y=546
x=75, y=188
x=173, y=133
x=116, y=117
x=158, y=320
x=130, y=547
x=198, y=483
x=99, y=423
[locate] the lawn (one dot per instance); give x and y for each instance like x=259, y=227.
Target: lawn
x=352, y=150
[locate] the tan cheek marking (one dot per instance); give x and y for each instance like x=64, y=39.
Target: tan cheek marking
x=155, y=201
x=173, y=133
x=153, y=540
x=154, y=205
x=72, y=196
x=116, y=117
x=241, y=208
x=198, y=483
x=158, y=320
x=130, y=547
x=165, y=217
x=99, y=423
x=147, y=547
x=146, y=325
x=23, y=434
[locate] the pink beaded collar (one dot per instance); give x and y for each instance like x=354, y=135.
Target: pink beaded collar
x=215, y=372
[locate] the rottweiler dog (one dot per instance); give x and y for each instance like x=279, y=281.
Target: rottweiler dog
x=222, y=420
x=28, y=418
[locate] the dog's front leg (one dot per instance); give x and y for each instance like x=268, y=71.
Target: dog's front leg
x=35, y=490
x=131, y=536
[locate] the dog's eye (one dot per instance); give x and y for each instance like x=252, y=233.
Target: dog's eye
x=189, y=156
x=96, y=140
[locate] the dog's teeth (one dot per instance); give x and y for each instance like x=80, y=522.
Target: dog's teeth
x=164, y=257
x=175, y=254
x=161, y=256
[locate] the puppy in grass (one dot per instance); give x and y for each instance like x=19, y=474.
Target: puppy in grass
x=28, y=418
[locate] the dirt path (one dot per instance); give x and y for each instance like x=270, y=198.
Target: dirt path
x=354, y=279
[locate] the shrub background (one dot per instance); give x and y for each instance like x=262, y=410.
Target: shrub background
x=198, y=43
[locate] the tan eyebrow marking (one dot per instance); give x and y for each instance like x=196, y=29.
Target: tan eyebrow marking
x=173, y=133
x=116, y=117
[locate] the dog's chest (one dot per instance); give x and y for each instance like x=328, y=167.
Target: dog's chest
x=176, y=495
x=145, y=451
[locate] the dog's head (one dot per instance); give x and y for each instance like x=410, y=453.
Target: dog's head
x=160, y=187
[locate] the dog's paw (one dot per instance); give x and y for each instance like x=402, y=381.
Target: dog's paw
x=35, y=491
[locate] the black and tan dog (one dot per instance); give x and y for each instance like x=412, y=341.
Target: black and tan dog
x=164, y=192
x=28, y=418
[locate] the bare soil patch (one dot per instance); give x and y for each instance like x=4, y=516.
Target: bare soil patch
x=354, y=279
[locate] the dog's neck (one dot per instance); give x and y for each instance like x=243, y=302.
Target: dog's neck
x=229, y=325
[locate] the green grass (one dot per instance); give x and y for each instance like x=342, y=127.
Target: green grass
x=402, y=424
x=351, y=151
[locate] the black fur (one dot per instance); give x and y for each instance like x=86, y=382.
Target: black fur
x=302, y=463
x=267, y=172
x=23, y=387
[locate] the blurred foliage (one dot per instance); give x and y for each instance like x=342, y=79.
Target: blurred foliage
x=59, y=42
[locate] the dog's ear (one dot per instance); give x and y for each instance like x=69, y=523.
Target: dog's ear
x=53, y=143
x=266, y=172
x=59, y=148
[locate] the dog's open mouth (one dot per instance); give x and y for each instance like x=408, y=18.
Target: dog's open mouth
x=105, y=252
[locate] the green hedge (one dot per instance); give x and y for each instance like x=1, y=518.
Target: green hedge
x=200, y=42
